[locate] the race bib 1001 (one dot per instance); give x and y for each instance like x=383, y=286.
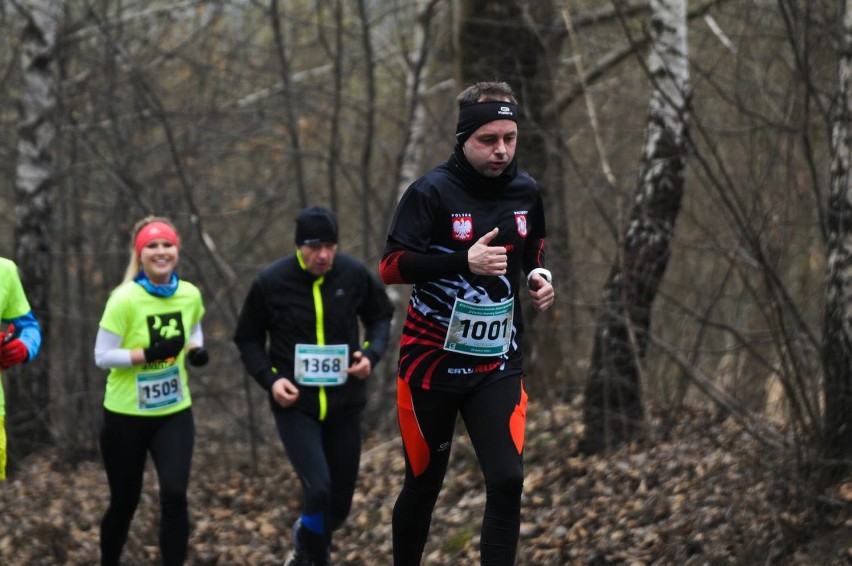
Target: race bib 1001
x=480, y=330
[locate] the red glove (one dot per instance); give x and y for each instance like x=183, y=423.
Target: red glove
x=13, y=353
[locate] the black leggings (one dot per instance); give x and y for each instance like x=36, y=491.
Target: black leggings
x=125, y=443
x=494, y=417
x=326, y=455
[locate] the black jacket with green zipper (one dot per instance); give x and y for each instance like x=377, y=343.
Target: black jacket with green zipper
x=284, y=307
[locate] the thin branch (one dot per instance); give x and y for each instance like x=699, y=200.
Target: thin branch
x=756, y=426
x=590, y=106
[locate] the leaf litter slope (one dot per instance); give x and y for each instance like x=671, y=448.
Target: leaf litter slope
x=701, y=493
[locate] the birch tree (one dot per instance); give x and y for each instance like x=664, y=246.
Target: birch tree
x=837, y=346
x=28, y=396
x=613, y=409
x=409, y=161
x=416, y=79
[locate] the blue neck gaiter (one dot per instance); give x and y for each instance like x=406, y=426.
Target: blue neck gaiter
x=158, y=290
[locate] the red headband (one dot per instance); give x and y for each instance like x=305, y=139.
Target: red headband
x=155, y=231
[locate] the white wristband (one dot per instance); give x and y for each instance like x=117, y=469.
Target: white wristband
x=545, y=274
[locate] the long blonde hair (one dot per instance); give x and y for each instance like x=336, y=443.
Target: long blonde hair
x=133, y=266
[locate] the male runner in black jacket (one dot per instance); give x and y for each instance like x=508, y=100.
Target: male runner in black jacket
x=308, y=306
x=465, y=234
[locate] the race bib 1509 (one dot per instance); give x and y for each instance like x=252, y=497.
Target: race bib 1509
x=159, y=389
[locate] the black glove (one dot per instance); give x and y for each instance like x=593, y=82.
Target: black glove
x=164, y=349
x=198, y=356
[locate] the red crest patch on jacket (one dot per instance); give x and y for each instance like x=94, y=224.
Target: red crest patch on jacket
x=521, y=223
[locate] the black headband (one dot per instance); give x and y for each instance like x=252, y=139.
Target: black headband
x=474, y=116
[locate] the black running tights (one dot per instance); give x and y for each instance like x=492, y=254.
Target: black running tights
x=126, y=441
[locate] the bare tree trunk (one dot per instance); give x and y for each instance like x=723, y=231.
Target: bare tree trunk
x=334, y=50
x=292, y=124
x=527, y=64
x=28, y=395
x=408, y=166
x=369, y=131
x=837, y=342
x=613, y=406
x=410, y=159
x=75, y=417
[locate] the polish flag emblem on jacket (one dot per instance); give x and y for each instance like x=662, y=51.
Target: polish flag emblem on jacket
x=462, y=228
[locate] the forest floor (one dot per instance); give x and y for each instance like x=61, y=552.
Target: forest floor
x=700, y=492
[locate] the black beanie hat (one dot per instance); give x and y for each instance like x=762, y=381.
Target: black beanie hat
x=315, y=225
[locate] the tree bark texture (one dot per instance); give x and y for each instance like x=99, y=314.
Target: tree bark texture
x=837, y=342
x=613, y=404
x=292, y=119
x=527, y=64
x=28, y=394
